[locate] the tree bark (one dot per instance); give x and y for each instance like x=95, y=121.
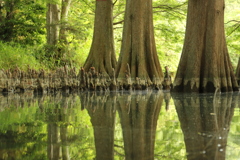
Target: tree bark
x=238, y=71
x=64, y=19
x=53, y=19
x=205, y=64
x=102, y=55
x=138, y=49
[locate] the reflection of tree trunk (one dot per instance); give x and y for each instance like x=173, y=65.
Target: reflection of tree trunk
x=53, y=140
x=56, y=114
x=65, y=148
x=65, y=104
x=102, y=113
x=139, y=114
x=205, y=122
x=167, y=97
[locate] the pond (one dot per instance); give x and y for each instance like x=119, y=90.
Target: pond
x=120, y=125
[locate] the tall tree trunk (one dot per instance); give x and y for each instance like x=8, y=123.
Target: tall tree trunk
x=238, y=71
x=138, y=49
x=53, y=19
x=205, y=64
x=102, y=55
x=57, y=18
x=64, y=18
x=63, y=29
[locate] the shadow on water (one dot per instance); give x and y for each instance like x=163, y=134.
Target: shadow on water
x=84, y=125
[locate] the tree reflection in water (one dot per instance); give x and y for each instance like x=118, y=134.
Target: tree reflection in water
x=139, y=114
x=57, y=122
x=101, y=108
x=205, y=122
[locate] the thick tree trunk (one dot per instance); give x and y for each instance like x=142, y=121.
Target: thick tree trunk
x=205, y=64
x=138, y=46
x=102, y=55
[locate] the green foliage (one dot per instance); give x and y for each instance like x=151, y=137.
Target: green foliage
x=26, y=26
x=22, y=21
x=233, y=137
x=14, y=55
x=232, y=27
x=82, y=51
x=169, y=24
x=118, y=19
x=26, y=127
x=80, y=31
x=24, y=130
x=169, y=137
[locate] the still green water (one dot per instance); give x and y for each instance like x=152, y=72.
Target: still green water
x=122, y=125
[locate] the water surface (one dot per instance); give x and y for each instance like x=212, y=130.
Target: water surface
x=122, y=125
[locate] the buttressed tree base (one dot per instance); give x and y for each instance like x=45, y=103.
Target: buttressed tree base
x=205, y=65
x=138, y=64
x=102, y=53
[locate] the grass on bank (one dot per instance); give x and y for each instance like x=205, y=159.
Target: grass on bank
x=13, y=55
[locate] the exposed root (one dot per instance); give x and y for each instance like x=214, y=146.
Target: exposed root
x=68, y=79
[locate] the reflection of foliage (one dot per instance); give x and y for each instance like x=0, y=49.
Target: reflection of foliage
x=21, y=144
x=169, y=138
x=23, y=131
x=233, y=137
x=118, y=140
x=24, y=120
